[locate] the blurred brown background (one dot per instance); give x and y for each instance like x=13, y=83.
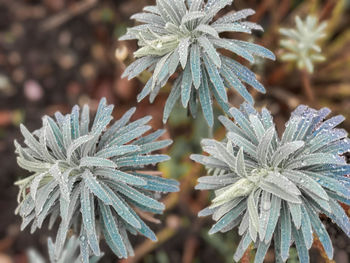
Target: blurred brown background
x=57, y=53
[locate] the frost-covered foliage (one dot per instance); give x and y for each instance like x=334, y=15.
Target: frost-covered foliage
x=301, y=44
x=92, y=176
x=184, y=34
x=275, y=188
x=70, y=253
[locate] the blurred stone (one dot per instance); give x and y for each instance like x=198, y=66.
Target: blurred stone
x=5, y=86
x=18, y=75
x=14, y=58
x=65, y=38
x=5, y=258
x=32, y=90
x=66, y=60
x=73, y=89
x=341, y=256
x=83, y=99
x=54, y=5
x=88, y=71
x=98, y=52
x=124, y=89
x=173, y=221
x=121, y=53
x=17, y=30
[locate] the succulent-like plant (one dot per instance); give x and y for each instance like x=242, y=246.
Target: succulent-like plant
x=184, y=34
x=275, y=188
x=301, y=44
x=69, y=254
x=93, y=177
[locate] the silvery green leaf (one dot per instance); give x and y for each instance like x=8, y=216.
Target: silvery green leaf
x=110, y=229
x=207, y=30
x=195, y=5
x=321, y=232
x=282, y=182
x=284, y=151
x=183, y=51
x=190, y=16
x=232, y=81
x=30, y=141
x=235, y=16
x=121, y=209
x=241, y=142
x=242, y=247
x=131, y=193
x=43, y=194
x=170, y=102
x=88, y=161
x=213, y=7
x=221, y=211
x=264, y=146
x=240, y=165
x=280, y=192
x=84, y=120
x=306, y=228
x=76, y=144
x=117, y=151
x=285, y=232
x=215, y=78
x=46, y=208
x=96, y=187
x=295, y=211
x=261, y=252
x=253, y=212
x=87, y=210
x=300, y=245
x=119, y=176
x=229, y=217
x=306, y=182
x=149, y=138
x=141, y=160
x=210, y=50
x=244, y=74
x=231, y=27
x=265, y=209
x=35, y=184
x=153, y=146
x=167, y=11
x=339, y=216
x=148, y=18
x=233, y=47
x=274, y=216
x=195, y=61
x=315, y=159
x=186, y=85
x=206, y=102
x=244, y=124
x=151, y=9
x=137, y=67
x=127, y=137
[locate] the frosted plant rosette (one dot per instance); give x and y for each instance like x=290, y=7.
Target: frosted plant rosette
x=93, y=176
x=178, y=34
x=70, y=253
x=301, y=44
x=275, y=188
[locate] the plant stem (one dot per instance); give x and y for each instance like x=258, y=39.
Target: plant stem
x=305, y=78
